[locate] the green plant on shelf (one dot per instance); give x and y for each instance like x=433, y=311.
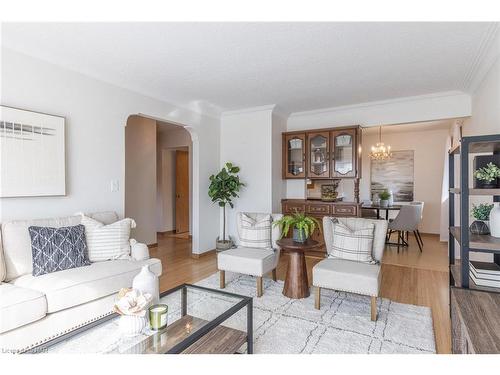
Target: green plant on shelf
x=488, y=173
x=482, y=211
x=384, y=195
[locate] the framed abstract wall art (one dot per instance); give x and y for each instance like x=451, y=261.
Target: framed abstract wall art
x=32, y=154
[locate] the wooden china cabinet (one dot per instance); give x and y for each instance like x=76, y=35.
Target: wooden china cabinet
x=319, y=156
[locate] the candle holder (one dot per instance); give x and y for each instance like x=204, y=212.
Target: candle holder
x=158, y=316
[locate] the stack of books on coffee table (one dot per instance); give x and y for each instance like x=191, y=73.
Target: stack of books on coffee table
x=485, y=274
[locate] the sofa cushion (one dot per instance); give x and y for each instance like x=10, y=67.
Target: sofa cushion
x=68, y=288
x=108, y=242
x=347, y=276
x=17, y=243
x=250, y=261
x=58, y=249
x=20, y=306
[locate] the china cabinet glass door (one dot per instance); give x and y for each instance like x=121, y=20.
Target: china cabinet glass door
x=344, y=153
x=319, y=155
x=295, y=156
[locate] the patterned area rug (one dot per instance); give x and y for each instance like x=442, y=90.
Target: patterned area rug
x=284, y=325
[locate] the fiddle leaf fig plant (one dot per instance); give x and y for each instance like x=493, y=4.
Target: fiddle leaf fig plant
x=224, y=188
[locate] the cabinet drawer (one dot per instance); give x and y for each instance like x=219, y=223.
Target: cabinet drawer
x=289, y=207
x=345, y=210
x=323, y=209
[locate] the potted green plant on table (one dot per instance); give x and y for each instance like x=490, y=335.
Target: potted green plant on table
x=224, y=187
x=303, y=226
x=482, y=214
x=384, y=198
x=488, y=176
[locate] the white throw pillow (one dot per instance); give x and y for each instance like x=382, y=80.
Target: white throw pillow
x=255, y=231
x=354, y=244
x=108, y=242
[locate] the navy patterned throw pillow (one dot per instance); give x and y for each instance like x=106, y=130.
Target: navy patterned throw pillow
x=57, y=249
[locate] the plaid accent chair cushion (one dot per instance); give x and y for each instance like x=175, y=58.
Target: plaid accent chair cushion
x=353, y=243
x=254, y=230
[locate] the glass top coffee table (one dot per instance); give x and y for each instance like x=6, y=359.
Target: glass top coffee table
x=200, y=320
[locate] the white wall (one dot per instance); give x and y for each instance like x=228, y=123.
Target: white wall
x=140, y=177
x=429, y=147
x=278, y=184
x=246, y=142
x=96, y=114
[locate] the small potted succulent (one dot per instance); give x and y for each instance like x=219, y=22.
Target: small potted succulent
x=488, y=176
x=384, y=198
x=303, y=226
x=482, y=214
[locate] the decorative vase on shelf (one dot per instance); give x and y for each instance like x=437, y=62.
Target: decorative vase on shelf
x=495, y=220
x=384, y=203
x=479, y=227
x=391, y=199
x=147, y=282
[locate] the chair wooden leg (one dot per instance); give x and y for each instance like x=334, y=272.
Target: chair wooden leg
x=317, y=299
x=274, y=275
x=374, y=308
x=399, y=239
x=259, y=286
x=222, y=279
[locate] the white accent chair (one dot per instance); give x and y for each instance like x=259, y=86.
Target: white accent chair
x=346, y=275
x=251, y=261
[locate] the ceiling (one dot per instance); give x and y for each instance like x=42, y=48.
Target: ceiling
x=212, y=67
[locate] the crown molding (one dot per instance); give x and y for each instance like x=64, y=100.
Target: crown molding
x=269, y=107
x=488, y=53
x=379, y=103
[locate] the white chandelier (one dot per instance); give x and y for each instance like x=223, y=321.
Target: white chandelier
x=380, y=151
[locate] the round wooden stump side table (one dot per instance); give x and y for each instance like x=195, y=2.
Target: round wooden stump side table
x=296, y=283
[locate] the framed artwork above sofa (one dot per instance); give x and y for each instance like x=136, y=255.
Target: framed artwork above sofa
x=32, y=153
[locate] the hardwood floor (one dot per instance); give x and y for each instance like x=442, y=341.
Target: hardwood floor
x=408, y=277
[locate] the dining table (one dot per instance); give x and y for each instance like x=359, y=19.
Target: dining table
x=378, y=208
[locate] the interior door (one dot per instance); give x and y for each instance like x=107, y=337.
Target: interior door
x=181, y=191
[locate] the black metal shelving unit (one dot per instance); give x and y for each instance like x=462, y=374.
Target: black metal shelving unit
x=459, y=273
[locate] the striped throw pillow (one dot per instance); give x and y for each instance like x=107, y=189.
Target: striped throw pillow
x=255, y=231
x=108, y=242
x=353, y=243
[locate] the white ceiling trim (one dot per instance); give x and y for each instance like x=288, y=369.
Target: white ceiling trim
x=489, y=53
x=268, y=107
x=379, y=103
x=486, y=48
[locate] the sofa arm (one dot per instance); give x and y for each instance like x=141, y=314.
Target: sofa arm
x=138, y=250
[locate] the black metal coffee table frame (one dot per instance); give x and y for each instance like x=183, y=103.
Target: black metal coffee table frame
x=188, y=341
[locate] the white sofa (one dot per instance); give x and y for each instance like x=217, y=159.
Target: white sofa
x=37, y=309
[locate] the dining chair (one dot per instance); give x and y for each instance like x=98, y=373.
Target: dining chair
x=407, y=220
